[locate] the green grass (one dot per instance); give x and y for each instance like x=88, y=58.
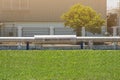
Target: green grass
x=60, y=65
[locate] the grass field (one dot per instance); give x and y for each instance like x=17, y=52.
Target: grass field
x=60, y=65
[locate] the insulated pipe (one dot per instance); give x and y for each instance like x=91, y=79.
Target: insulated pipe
x=98, y=39
x=55, y=39
x=58, y=39
x=17, y=39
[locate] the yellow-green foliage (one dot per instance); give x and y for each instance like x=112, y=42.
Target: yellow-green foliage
x=82, y=16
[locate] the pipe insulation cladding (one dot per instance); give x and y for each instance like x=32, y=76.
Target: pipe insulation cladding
x=59, y=39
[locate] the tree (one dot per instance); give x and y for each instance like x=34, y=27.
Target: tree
x=83, y=16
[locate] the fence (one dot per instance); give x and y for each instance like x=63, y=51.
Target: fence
x=31, y=31
x=8, y=32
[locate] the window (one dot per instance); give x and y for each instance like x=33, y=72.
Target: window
x=15, y=4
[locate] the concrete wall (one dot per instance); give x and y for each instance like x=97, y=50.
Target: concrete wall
x=43, y=10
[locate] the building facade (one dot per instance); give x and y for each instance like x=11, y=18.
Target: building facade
x=39, y=17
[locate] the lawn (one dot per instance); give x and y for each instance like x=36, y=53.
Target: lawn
x=60, y=65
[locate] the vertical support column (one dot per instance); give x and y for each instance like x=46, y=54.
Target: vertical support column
x=19, y=35
x=114, y=34
x=114, y=31
x=51, y=33
x=83, y=35
x=51, y=30
x=83, y=31
x=19, y=31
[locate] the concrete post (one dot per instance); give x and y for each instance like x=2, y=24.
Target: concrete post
x=51, y=30
x=83, y=31
x=83, y=35
x=19, y=31
x=19, y=35
x=114, y=31
x=114, y=34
